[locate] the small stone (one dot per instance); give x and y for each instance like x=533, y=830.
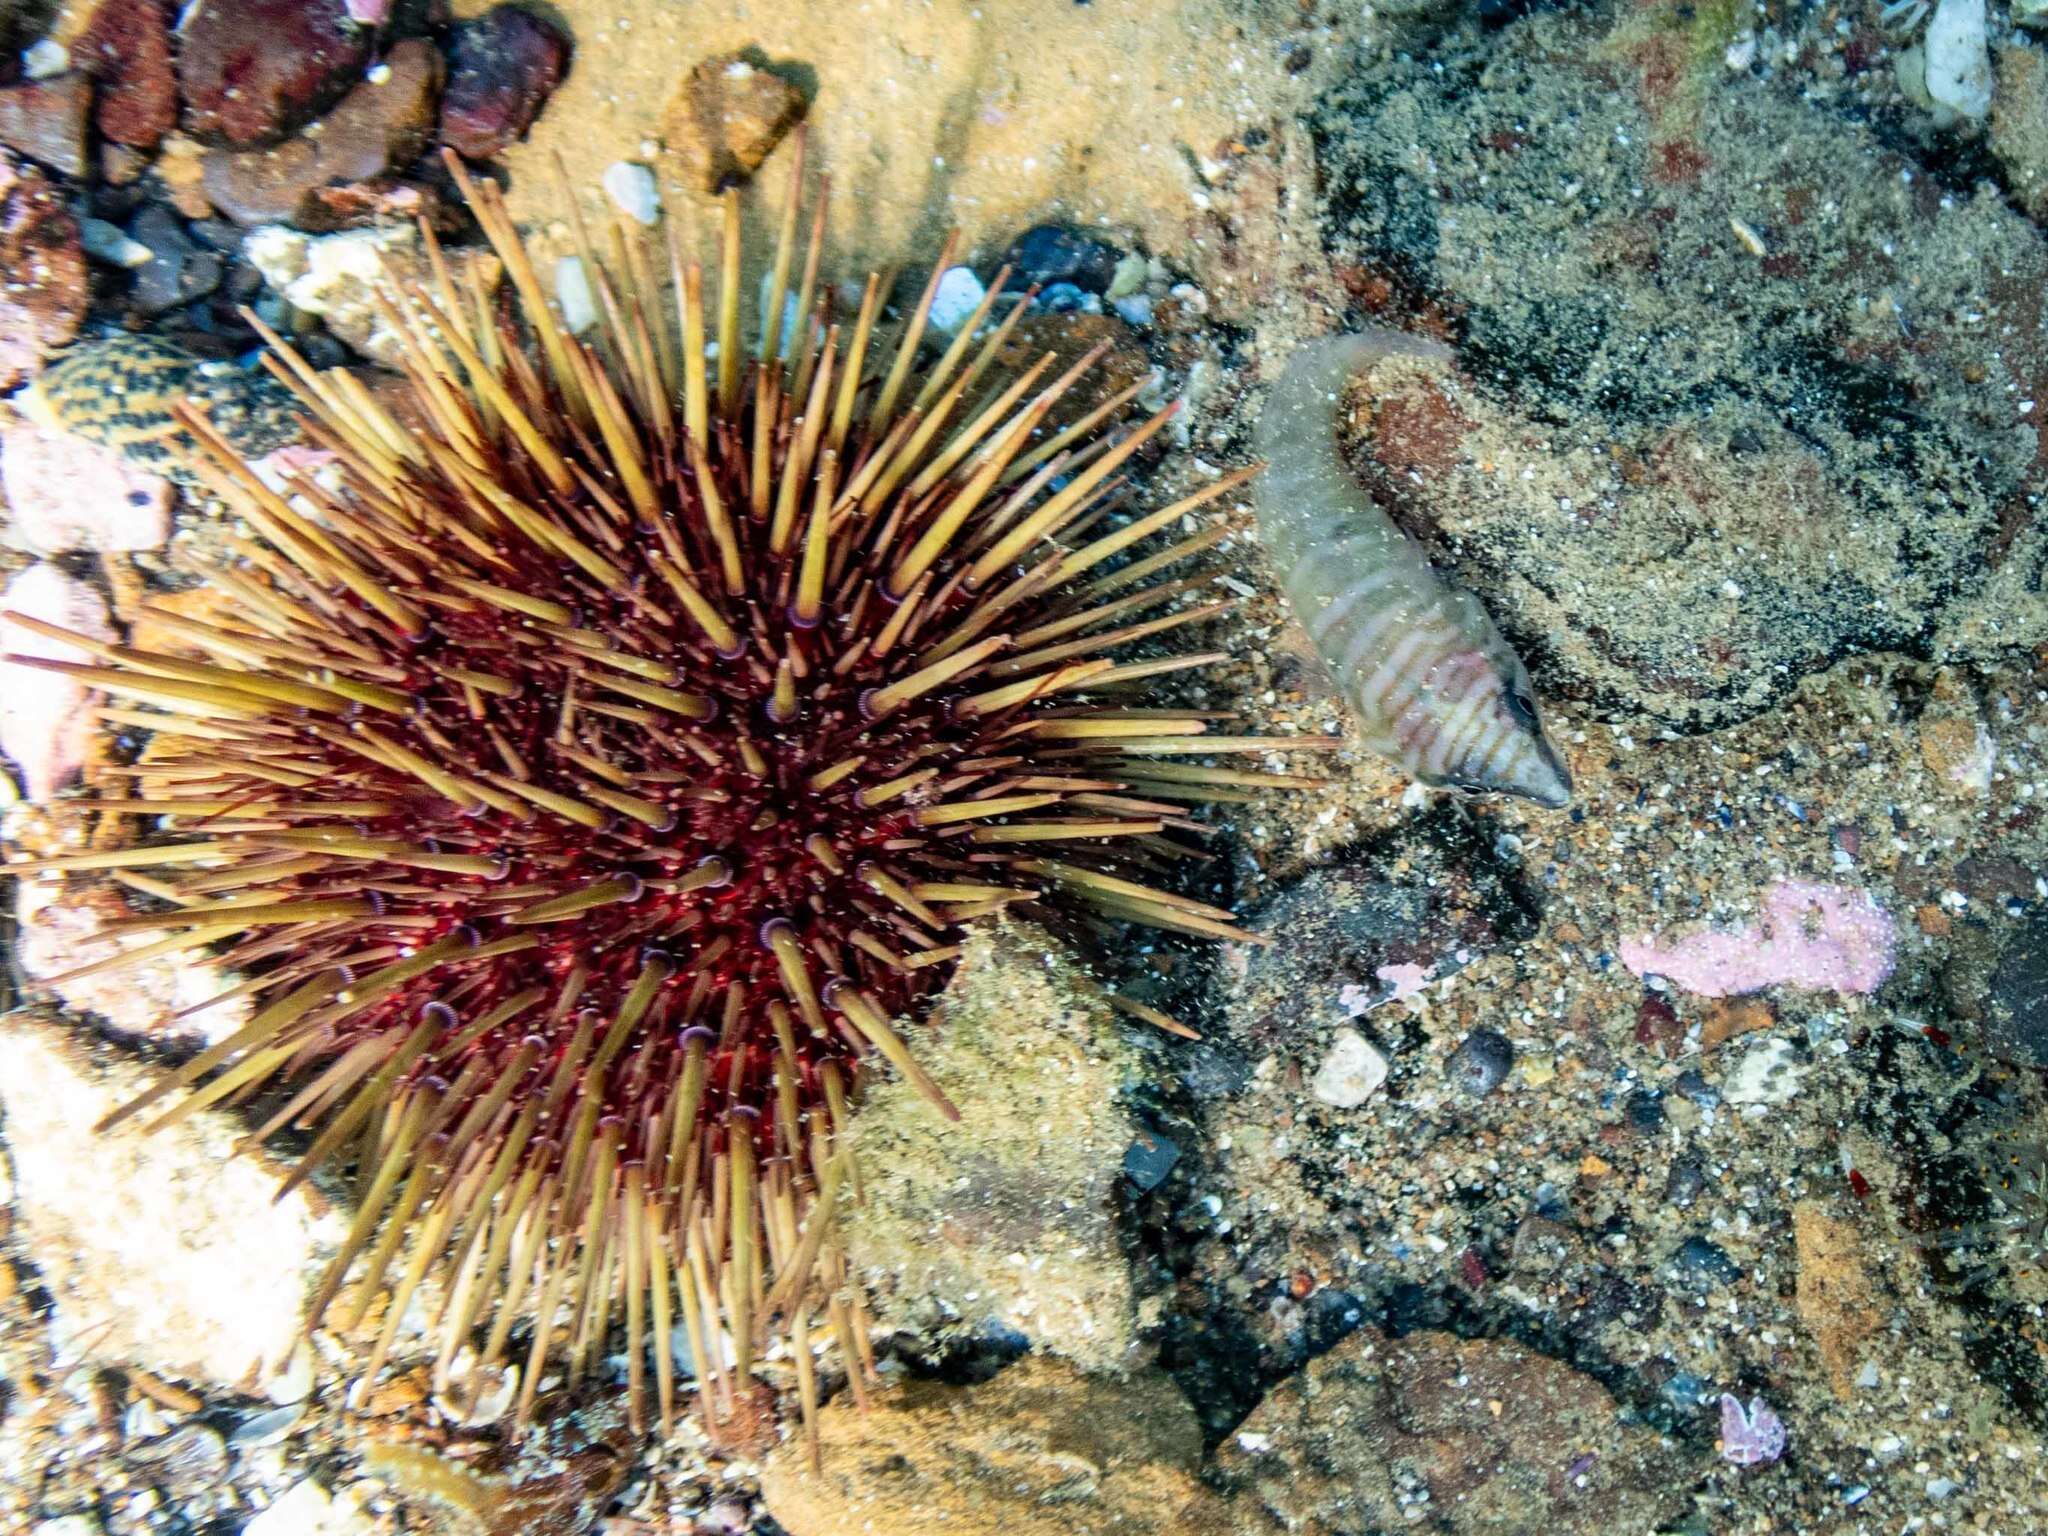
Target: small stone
x=1702, y=1262
x=1644, y=1110
x=1731, y=1016
x=631, y=187
x=181, y=167
x=179, y=270
x=572, y=292
x=121, y=166
x=726, y=118
x=67, y=494
x=335, y=276
x=46, y=724
x=958, y=294
x=1351, y=1072
x=1048, y=254
x=126, y=48
x=45, y=59
x=251, y=71
x=156, y=1248
x=1959, y=752
x=1683, y=1184
x=45, y=120
x=376, y=127
x=1149, y=1159
x=502, y=67
x=112, y=244
x=1481, y=1062
x=1769, y=1073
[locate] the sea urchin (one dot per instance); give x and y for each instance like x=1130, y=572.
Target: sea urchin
x=589, y=782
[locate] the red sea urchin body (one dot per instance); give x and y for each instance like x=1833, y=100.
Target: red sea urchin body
x=591, y=782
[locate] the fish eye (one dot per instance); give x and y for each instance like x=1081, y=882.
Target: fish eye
x=1521, y=705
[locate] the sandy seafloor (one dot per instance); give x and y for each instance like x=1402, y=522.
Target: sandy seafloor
x=1741, y=446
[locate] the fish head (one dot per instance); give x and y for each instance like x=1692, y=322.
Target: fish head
x=1504, y=750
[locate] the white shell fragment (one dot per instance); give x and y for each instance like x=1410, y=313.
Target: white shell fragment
x=631, y=186
x=1351, y=1073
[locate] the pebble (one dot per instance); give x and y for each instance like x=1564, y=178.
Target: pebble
x=958, y=294
x=1351, y=1072
x=1769, y=1073
x=126, y=48
x=631, y=187
x=46, y=120
x=112, y=244
x=726, y=118
x=572, y=292
x=1049, y=254
x=1645, y=1110
x=335, y=276
x=1701, y=1261
x=179, y=270
x=502, y=67
x=1481, y=1062
x=252, y=71
x=308, y=1509
x=44, y=59
x=318, y=180
x=1682, y=1186
x=1149, y=1159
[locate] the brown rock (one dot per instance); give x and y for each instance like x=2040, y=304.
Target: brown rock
x=1042, y=1450
x=1836, y=1296
x=376, y=127
x=502, y=68
x=1497, y=1438
x=181, y=167
x=45, y=120
x=126, y=48
x=2019, y=125
x=726, y=118
x=251, y=71
x=1727, y=1017
x=43, y=285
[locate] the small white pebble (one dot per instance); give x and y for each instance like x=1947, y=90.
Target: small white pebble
x=631, y=186
x=42, y=60
x=959, y=293
x=379, y=74
x=112, y=244
x=1351, y=1073
x=572, y=292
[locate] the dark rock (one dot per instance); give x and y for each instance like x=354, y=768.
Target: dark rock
x=44, y=284
x=126, y=48
x=1704, y=1263
x=1149, y=1159
x=317, y=180
x=2016, y=1010
x=1481, y=1062
x=1645, y=1110
x=45, y=120
x=1683, y=1184
x=1542, y=1246
x=1484, y=1435
x=1047, y=254
x=182, y=271
x=251, y=71
x=1696, y=1088
x=502, y=68
x=726, y=118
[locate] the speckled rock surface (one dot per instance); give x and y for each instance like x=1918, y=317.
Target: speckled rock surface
x=1008, y=1218
x=1458, y=1436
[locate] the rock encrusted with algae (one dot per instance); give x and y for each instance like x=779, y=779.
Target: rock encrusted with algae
x=1042, y=1450
x=1009, y=1217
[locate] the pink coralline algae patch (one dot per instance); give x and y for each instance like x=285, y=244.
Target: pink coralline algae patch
x=1824, y=938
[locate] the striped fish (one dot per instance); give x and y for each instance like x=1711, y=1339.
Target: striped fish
x=1432, y=683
